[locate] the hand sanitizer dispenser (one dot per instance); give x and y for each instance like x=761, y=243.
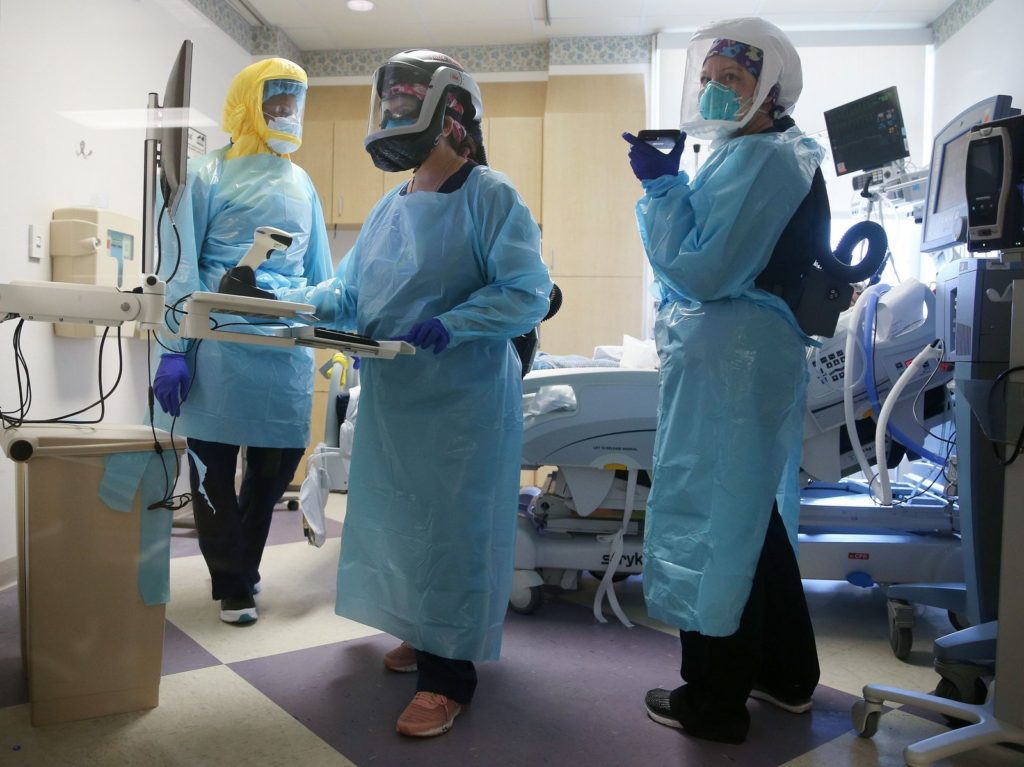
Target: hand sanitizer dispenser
x=90, y=246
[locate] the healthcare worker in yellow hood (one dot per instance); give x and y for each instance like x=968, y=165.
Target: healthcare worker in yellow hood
x=224, y=395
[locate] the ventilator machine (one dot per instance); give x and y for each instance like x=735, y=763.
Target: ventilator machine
x=981, y=322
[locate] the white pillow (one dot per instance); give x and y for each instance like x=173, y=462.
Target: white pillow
x=638, y=354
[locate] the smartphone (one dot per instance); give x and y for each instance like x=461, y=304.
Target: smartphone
x=663, y=139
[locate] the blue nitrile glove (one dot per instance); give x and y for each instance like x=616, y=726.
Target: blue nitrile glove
x=171, y=382
x=426, y=335
x=649, y=163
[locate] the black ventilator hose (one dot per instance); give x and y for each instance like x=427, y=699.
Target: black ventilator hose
x=838, y=264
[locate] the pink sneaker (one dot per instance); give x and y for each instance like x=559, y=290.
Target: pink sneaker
x=427, y=715
x=401, y=659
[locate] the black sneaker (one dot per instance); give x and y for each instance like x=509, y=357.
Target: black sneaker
x=659, y=708
x=238, y=610
x=690, y=720
x=786, y=703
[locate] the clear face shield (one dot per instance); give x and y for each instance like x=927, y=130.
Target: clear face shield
x=404, y=101
x=283, y=104
x=726, y=83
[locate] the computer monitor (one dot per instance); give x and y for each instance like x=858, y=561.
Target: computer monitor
x=945, y=212
x=174, y=131
x=867, y=133
x=167, y=148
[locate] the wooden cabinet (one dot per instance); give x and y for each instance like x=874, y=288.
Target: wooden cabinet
x=595, y=311
x=346, y=180
x=591, y=242
x=515, y=147
x=358, y=184
x=316, y=157
x=589, y=195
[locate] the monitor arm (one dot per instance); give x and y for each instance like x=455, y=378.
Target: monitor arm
x=85, y=304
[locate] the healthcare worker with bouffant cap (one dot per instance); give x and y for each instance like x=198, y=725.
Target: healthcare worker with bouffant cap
x=224, y=395
x=720, y=538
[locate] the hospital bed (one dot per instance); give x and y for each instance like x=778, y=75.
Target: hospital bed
x=595, y=427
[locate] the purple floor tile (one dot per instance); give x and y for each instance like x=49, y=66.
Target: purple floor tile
x=567, y=691
x=285, y=527
x=181, y=653
x=184, y=542
x=13, y=684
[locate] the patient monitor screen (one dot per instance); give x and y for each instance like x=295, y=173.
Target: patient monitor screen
x=954, y=165
x=867, y=133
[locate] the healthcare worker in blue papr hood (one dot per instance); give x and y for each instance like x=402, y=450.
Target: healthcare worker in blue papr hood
x=720, y=536
x=450, y=262
x=224, y=395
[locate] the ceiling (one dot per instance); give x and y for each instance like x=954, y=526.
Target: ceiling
x=330, y=25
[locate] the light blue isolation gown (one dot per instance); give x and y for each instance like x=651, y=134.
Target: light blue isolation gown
x=733, y=377
x=244, y=394
x=429, y=534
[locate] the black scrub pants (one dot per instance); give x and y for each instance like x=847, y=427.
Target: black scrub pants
x=773, y=649
x=455, y=679
x=233, y=533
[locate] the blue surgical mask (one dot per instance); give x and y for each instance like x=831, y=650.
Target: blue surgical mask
x=282, y=147
x=718, y=102
x=290, y=125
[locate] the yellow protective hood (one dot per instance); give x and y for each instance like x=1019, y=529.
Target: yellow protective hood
x=243, y=106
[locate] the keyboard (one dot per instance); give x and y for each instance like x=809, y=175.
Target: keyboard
x=325, y=334
x=350, y=343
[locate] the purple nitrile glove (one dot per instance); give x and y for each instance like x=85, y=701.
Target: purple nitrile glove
x=648, y=162
x=171, y=382
x=427, y=335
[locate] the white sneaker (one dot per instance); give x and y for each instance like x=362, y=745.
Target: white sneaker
x=792, y=705
x=239, y=610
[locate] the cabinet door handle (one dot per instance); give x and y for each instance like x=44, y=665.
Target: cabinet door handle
x=339, y=205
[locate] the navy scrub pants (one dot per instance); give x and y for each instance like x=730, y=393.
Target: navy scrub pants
x=773, y=649
x=233, y=533
x=455, y=679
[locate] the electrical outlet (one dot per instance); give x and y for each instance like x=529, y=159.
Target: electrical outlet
x=38, y=246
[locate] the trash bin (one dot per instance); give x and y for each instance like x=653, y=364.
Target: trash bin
x=92, y=569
